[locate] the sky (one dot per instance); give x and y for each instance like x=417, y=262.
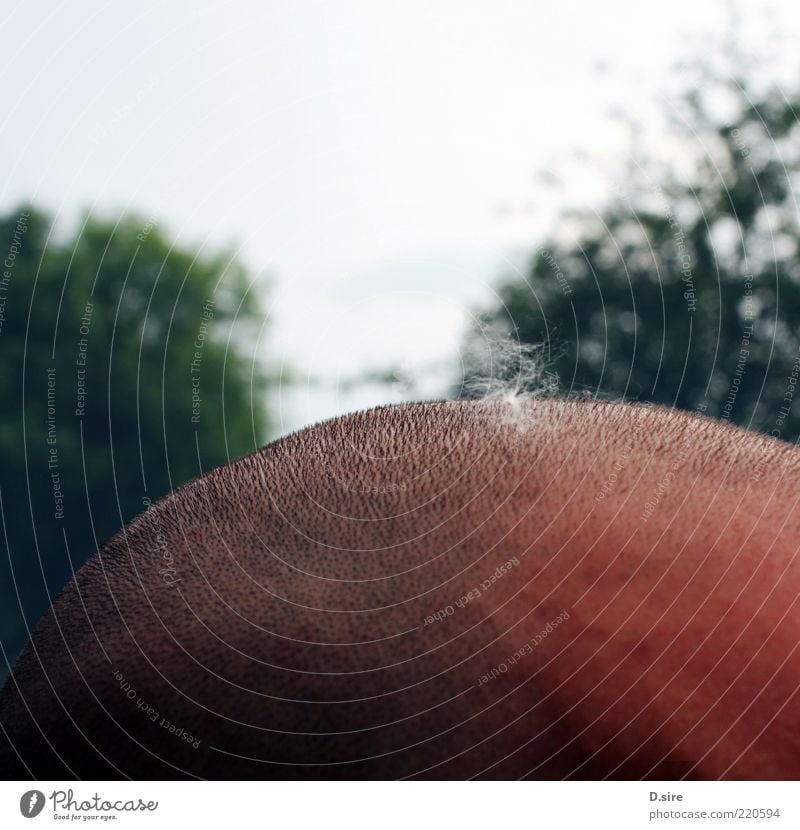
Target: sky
x=379, y=165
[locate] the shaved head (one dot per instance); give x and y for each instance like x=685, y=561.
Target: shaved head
x=503, y=588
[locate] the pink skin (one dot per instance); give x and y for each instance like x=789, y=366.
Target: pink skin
x=505, y=588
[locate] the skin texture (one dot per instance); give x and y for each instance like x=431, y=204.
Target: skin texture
x=345, y=603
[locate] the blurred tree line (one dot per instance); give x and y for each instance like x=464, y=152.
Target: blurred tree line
x=685, y=288
x=128, y=367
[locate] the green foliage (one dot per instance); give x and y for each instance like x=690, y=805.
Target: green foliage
x=682, y=291
x=108, y=338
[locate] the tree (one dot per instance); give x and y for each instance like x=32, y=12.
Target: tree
x=129, y=366
x=682, y=290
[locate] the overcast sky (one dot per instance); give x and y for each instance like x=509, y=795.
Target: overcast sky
x=379, y=160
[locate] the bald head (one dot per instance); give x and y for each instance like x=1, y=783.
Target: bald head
x=503, y=588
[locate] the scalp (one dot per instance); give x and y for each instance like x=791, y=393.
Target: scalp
x=287, y=615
